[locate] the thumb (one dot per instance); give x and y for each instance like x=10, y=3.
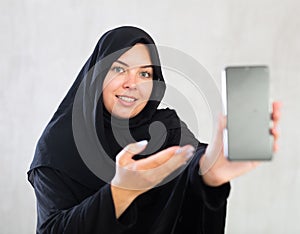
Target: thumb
x=222, y=123
x=125, y=155
x=218, y=135
x=216, y=146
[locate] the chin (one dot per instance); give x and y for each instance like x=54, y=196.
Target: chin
x=124, y=115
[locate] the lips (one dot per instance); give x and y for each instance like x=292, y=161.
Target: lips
x=127, y=99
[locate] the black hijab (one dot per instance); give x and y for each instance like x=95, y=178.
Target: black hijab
x=82, y=138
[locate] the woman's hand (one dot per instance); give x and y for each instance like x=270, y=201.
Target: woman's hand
x=145, y=173
x=214, y=166
x=134, y=177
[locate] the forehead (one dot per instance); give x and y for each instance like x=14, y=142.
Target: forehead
x=138, y=55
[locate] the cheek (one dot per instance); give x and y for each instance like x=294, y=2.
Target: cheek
x=107, y=92
x=146, y=89
x=110, y=85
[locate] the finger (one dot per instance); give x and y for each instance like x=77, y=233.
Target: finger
x=276, y=111
x=218, y=134
x=156, y=159
x=275, y=133
x=179, y=159
x=223, y=122
x=125, y=156
x=163, y=156
x=216, y=146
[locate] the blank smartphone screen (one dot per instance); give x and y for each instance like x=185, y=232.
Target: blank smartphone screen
x=245, y=94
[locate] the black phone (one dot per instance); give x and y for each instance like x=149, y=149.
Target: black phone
x=246, y=99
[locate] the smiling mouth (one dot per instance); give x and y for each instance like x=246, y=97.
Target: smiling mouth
x=126, y=98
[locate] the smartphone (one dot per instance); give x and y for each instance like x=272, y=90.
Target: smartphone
x=246, y=100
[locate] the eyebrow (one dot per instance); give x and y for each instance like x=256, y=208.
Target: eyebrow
x=125, y=64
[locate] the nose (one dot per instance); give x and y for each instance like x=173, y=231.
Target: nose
x=130, y=81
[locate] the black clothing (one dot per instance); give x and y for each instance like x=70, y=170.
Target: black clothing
x=73, y=194
x=184, y=205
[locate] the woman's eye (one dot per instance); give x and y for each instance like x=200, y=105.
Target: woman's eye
x=118, y=69
x=146, y=74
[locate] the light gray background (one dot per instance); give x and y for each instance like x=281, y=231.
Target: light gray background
x=45, y=43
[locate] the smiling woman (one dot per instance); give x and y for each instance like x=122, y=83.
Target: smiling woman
x=128, y=84
x=163, y=180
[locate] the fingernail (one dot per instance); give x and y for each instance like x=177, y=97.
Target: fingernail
x=191, y=150
x=179, y=151
x=189, y=155
x=142, y=143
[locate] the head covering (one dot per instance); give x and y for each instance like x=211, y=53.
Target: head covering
x=61, y=143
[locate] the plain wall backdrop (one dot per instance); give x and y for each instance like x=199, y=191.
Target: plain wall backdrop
x=45, y=43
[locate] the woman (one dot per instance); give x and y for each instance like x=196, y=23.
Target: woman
x=156, y=186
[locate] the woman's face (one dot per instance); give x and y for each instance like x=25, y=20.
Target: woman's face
x=128, y=84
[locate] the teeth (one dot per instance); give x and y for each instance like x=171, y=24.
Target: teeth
x=126, y=99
